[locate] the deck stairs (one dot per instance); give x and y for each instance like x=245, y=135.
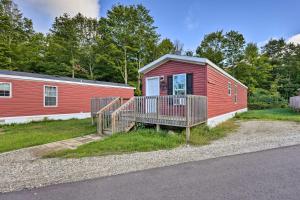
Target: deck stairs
x=121, y=115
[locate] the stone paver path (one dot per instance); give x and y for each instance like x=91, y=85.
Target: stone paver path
x=73, y=143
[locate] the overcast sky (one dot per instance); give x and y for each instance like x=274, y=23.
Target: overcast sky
x=187, y=20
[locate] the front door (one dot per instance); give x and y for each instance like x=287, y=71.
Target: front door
x=152, y=89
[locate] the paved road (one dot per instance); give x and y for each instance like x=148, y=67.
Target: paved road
x=272, y=174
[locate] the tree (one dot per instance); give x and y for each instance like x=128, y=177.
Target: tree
x=233, y=48
x=15, y=30
x=165, y=47
x=223, y=49
x=254, y=69
x=211, y=47
x=131, y=31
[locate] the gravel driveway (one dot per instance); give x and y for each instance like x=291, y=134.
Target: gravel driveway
x=19, y=169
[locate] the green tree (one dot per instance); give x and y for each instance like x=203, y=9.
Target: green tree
x=131, y=31
x=165, y=47
x=233, y=48
x=15, y=30
x=211, y=47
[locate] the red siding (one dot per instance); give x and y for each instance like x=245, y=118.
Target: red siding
x=27, y=98
x=208, y=82
x=175, y=67
x=219, y=102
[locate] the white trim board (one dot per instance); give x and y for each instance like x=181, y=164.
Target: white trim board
x=214, y=121
x=27, y=119
x=188, y=59
x=61, y=81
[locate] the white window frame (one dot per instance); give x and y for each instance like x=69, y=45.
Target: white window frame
x=46, y=106
x=10, y=90
x=229, y=88
x=235, y=93
x=180, y=101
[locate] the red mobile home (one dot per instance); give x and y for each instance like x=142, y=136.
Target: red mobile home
x=185, y=75
x=26, y=96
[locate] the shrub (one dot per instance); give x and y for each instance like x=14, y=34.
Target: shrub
x=265, y=99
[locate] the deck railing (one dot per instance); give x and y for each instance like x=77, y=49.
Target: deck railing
x=172, y=110
x=295, y=103
x=123, y=118
x=104, y=115
x=97, y=103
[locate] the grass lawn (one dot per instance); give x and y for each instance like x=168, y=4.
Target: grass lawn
x=25, y=135
x=286, y=114
x=143, y=140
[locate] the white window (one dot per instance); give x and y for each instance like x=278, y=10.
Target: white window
x=5, y=90
x=179, y=88
x=235, y=94
x=229, y=89
x=50, y=96
x=179, y=84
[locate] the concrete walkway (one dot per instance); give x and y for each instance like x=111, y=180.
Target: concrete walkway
x=38, y=151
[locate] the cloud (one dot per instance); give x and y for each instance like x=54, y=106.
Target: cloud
x=191, y=20
x=54, y=8
x=294, y=39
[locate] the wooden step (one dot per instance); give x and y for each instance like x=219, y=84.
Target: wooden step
x=107, y=132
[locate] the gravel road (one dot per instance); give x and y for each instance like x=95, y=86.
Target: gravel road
x=19, y=170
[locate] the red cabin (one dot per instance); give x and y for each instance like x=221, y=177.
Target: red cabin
x=185, y=75
x=27, y=97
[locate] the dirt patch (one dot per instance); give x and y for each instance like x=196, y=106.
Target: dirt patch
x=2, y=131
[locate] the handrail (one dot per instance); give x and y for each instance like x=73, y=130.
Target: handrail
x=104, y=115
x=124, y=117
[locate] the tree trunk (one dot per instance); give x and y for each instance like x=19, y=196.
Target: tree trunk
x=139, y=75
x=125, y=66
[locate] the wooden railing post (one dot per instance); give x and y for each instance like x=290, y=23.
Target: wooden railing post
x=100, y=123
x=187, y=132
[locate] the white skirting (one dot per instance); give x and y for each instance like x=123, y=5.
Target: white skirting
x=214, y=121
x=26, y=119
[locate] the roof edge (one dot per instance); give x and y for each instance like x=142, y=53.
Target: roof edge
x=188, y=59
x=28, y=78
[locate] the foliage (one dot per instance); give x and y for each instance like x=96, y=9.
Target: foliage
x=262, y=99
x=135, y=141
x=18, y=136
x=285, y=114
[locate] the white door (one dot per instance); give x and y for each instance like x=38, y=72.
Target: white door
x=152, y=89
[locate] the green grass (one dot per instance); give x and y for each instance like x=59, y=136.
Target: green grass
x=285, y=114
x=26, y=135
x=143, y=140
x=202, y=135
x=136, y=141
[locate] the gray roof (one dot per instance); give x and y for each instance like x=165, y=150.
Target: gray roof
x=59, y=78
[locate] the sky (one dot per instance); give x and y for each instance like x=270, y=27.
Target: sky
x=187, y=20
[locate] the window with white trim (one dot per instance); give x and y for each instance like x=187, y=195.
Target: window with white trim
x=50, y=96
x=179, y=84
x=179, y=88
x=235, y=94
x=5, y=89
x=229, y=89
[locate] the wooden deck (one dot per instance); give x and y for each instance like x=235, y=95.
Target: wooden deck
x=181, y=111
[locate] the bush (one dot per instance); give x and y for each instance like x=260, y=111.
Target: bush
x=265, y=99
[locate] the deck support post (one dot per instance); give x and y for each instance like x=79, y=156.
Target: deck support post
x=187, y=134
x=157, y=127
